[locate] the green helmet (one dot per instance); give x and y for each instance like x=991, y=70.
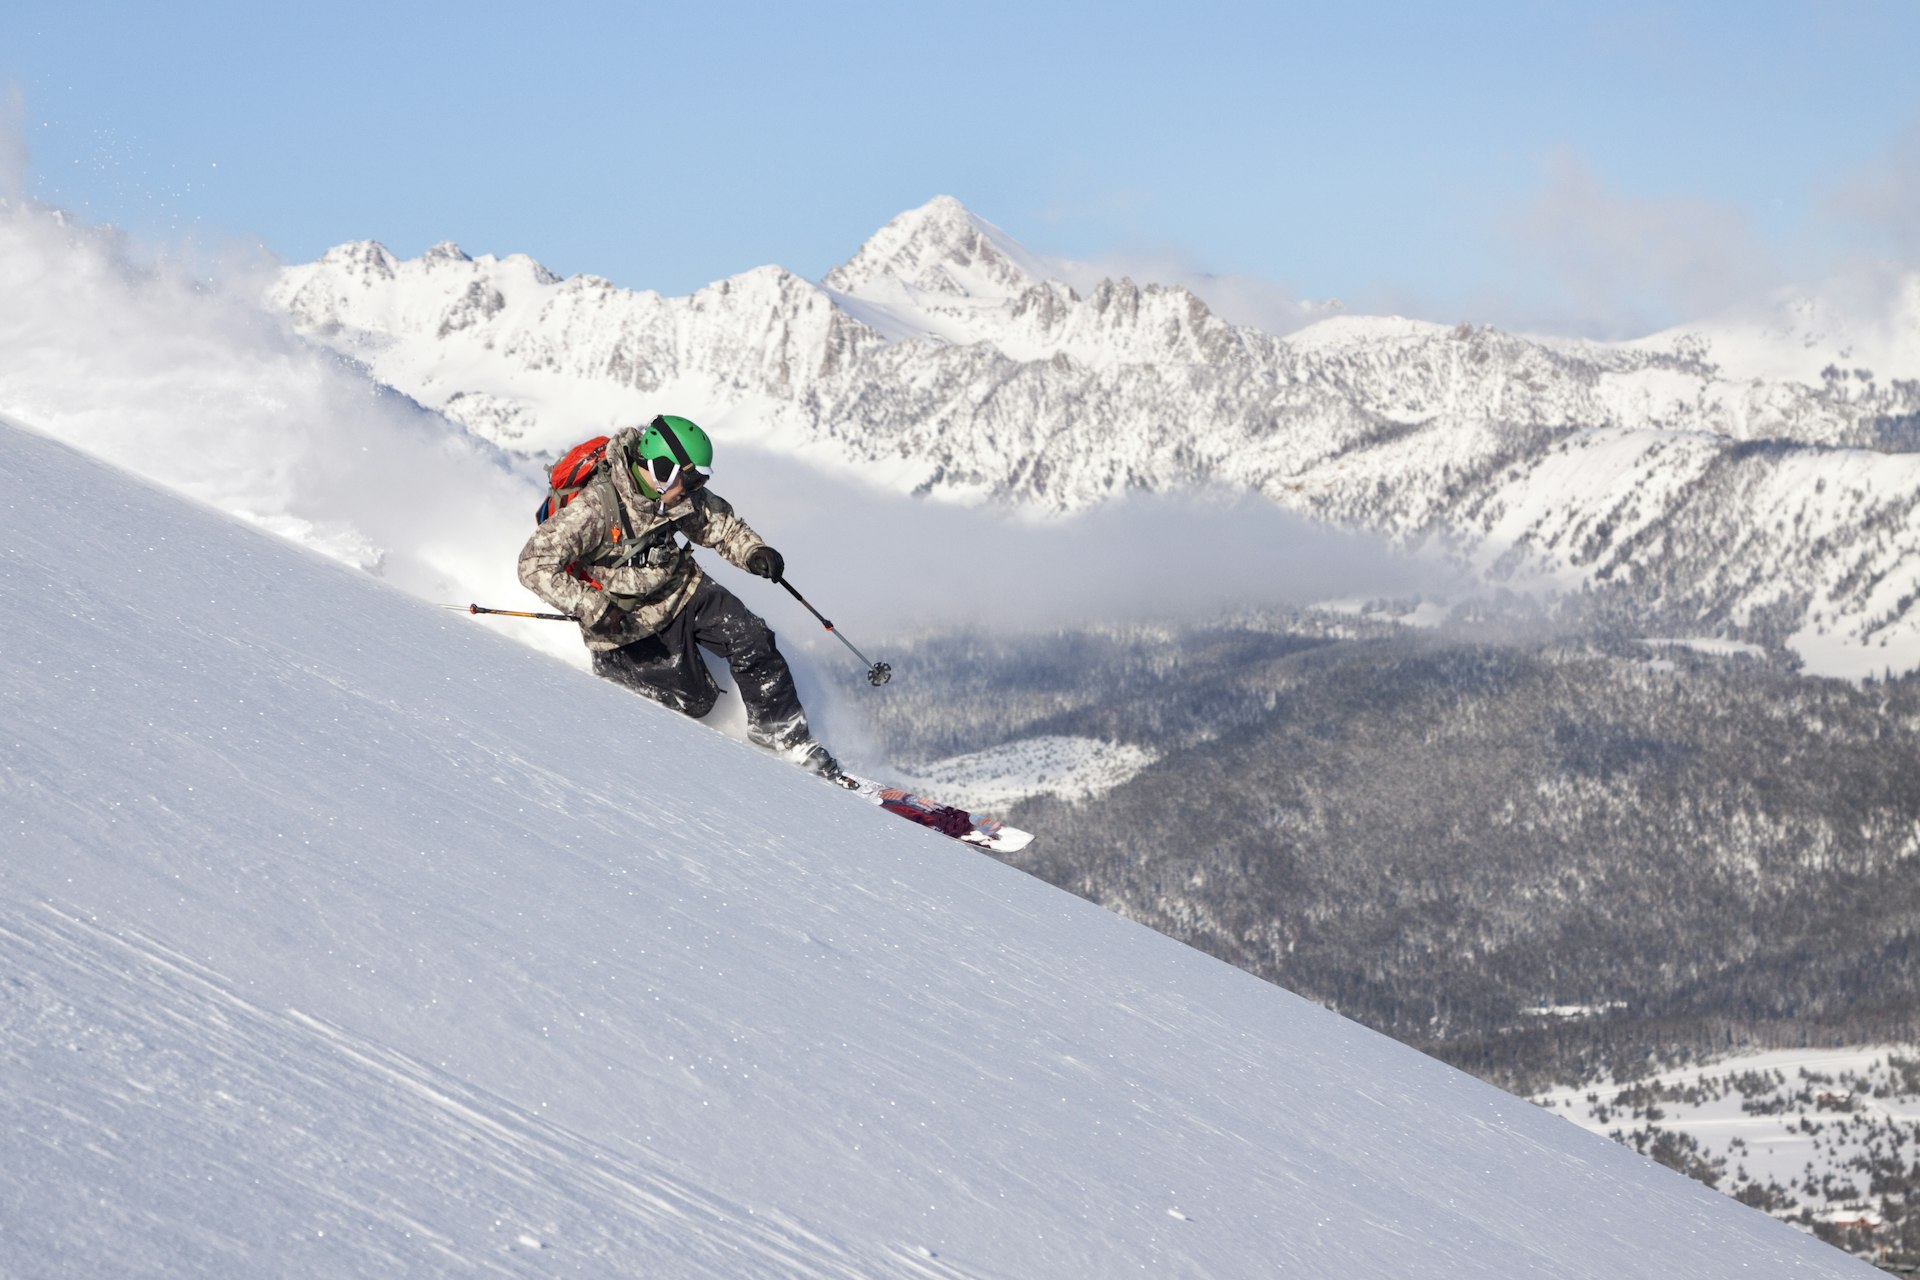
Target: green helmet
x=681, y=439
x=669, y=445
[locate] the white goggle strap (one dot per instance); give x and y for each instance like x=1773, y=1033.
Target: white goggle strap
x=678, y=450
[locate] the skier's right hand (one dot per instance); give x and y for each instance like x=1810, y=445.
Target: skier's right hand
x=766, y=562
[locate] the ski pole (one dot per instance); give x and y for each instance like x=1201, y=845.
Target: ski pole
x=512, y=613
x=878, y=673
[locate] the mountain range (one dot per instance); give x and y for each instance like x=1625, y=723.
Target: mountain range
x=1708, y=481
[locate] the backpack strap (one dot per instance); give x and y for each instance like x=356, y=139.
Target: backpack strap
x=620, y=548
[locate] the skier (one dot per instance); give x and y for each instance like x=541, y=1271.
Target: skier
x=610, y=556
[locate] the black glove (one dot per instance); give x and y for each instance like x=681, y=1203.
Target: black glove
x=766, y=562
x=609, y=620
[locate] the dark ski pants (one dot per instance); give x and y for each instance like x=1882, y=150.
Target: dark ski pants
x=666, y=666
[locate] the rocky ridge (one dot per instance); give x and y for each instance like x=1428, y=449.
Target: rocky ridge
x=943, y=357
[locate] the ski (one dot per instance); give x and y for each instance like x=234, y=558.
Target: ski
x=969, y=828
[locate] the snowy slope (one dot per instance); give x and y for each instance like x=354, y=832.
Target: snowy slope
x=342, y=937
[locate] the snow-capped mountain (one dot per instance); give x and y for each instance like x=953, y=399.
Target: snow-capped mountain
x=937, y=271
x=330, y=949
x=1865, y=328
x=944, y=360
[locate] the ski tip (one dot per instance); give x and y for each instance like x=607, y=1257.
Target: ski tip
x=1005, y=840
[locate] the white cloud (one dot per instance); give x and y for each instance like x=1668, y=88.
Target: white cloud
x=1883, y=201
x=1625, y=265
x=899, y=563
x=880, y=565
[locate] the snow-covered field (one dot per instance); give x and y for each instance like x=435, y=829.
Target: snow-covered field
x=1708, y=645
x=343, y=937
x=1052, y=764
x=1813, y=1125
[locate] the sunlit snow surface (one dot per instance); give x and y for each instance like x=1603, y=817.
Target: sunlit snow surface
x=1072, y=768
x=341, y=937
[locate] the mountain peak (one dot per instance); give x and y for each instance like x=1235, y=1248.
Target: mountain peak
x=446, y=251
x=940, y=248
x=361, y=257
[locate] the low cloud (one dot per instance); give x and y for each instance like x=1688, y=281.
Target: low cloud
x=891, y=563
x=881, y=565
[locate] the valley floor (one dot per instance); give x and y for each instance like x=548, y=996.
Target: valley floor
x=1828, y=1139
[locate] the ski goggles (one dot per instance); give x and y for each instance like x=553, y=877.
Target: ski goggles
x=664, y=471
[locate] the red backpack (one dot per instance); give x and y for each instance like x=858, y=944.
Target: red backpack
x=567, y=477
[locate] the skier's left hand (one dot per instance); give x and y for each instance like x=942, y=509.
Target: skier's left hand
x=766, y=562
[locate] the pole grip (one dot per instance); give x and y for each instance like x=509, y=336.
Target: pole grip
x=477, y=609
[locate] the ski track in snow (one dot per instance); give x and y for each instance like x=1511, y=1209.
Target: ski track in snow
x=184, y=1072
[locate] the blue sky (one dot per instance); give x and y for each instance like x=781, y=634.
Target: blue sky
x=1588, y=166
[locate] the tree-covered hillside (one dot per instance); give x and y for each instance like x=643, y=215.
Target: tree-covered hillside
x=1446, y=838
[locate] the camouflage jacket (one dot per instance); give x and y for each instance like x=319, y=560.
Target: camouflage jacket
x=611, y=548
